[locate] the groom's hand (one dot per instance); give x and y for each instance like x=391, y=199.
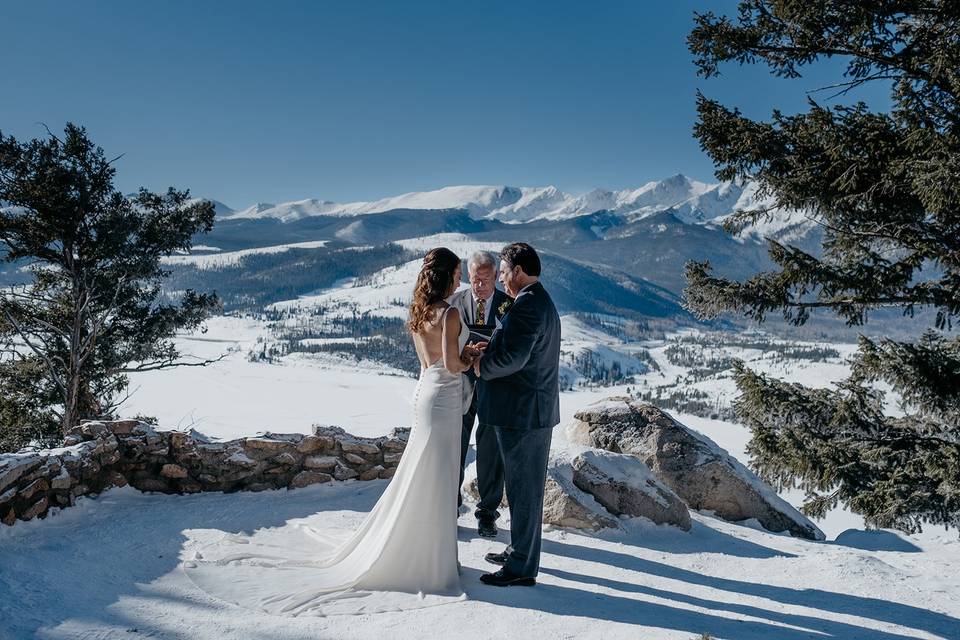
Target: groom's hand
x=471, y=352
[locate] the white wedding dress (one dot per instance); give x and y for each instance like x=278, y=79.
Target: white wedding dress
x=403, y=555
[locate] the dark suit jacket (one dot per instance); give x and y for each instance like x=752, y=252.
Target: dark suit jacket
x=521, y=365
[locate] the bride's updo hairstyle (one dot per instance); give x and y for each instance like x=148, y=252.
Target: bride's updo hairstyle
x=433, y=285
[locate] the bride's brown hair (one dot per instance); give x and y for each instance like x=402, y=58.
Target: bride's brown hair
x=433, y=283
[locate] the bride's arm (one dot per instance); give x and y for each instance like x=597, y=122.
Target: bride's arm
x=452, y=360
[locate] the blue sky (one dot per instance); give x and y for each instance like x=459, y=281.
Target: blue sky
x=277, y=101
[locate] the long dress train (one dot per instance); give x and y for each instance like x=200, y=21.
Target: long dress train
x=403, y=555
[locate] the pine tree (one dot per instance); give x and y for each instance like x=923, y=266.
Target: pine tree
x=884, y=187
x=92, y=312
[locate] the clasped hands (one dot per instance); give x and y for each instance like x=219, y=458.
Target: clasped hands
x=471, y=355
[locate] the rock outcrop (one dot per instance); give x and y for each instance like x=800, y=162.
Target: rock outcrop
x=101, y=454
x=704, y=475
x=625, y=486
x=564, y=504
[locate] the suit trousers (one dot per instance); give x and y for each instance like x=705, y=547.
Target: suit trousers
x=525, y=454
x=489, y=465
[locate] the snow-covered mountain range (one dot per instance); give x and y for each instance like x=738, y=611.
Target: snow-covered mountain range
x=649, y=232
x=689, y=200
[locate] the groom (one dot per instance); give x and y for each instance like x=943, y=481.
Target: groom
x=521, y=399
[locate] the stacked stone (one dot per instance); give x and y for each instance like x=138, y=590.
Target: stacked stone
x=101, y=454
x=31, y=483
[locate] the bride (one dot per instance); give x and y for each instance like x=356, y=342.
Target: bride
x=404, y=554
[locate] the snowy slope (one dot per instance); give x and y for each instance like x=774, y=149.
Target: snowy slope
x=785, y=225
x=583, y=342
x=233, y=258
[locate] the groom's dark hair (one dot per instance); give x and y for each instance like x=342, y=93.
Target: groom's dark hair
x=520, y=254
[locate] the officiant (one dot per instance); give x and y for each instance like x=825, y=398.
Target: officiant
x=481, y=306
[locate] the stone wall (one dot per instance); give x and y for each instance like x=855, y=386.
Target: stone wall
x=98, y=455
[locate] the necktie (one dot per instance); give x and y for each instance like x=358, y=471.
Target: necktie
x=481, y=319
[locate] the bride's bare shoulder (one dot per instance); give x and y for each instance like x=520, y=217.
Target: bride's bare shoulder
x=451, y=316
x=439, y=312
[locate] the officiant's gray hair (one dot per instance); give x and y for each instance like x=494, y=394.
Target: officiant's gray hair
x=481, y=259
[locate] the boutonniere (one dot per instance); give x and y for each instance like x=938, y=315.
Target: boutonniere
x=502, y=309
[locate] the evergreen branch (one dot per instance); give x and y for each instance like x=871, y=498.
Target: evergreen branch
x=40, y=353
x=166, y=364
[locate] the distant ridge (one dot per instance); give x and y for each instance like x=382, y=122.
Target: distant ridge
x=691, y=201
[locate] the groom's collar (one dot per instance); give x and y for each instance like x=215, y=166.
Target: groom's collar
x=527, y=287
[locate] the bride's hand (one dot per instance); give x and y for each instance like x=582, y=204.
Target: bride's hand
x=471, y=353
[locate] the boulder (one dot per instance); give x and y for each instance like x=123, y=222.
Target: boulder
x=306, y=478
x=62, y=480
x=397, y=440
x=371, y=474
x=277, y=470
x=268, y=445
x=147, y=484
x=240, y=459
x=353, y=458
x=116, y=479
x=360, y=447
x=314, y=444
x=625, y=486
x=38, y=508
x=472, y=490
x=704, y=475
x=286, y=458
x=40, y=485
x=322, y=463
x=344, y=473
x=173, y=471
x=180, y=440
x=564, y=505
x=13, y=466
x=7, y=496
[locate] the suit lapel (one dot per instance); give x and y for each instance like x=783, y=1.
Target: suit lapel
x=465, y=301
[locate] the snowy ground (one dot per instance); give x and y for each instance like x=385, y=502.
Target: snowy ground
x=109, y=568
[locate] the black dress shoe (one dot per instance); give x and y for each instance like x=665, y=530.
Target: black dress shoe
x=487, y=528
x=497, y=558
x=504, y=578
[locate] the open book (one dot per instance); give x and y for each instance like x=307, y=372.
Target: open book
x=480, y=332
